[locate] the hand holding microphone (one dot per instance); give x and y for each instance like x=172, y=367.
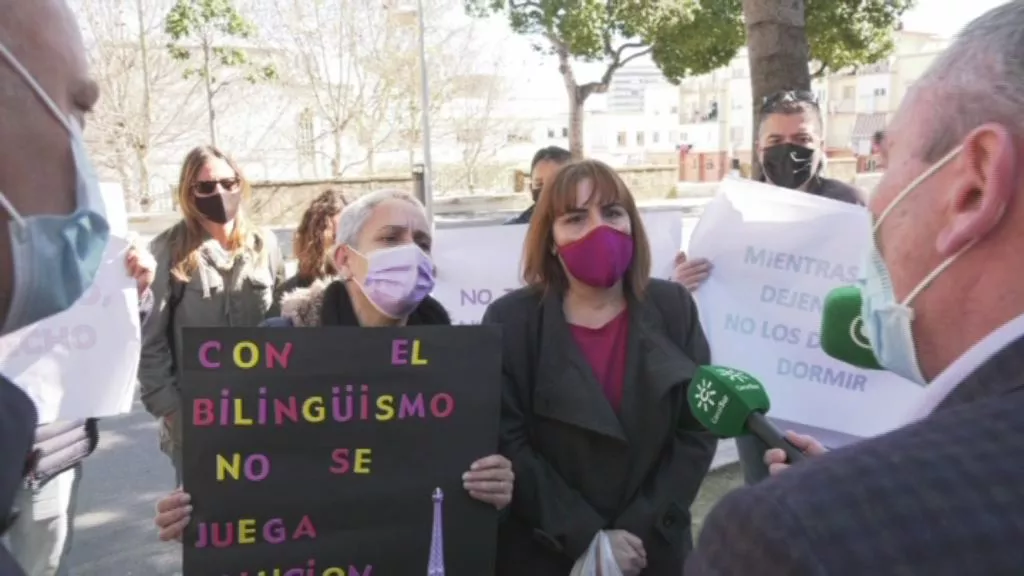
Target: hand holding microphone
x=731, y=403
x=775, y=458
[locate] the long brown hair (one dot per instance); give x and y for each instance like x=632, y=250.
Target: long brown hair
x=541, y=267
x=185, y=245
x=311, y=245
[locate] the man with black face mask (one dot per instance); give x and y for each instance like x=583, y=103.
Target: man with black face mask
x=790, y=148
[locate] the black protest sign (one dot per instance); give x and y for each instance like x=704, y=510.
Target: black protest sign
x=318, y=451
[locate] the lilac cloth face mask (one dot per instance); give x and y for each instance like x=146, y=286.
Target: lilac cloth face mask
x=397, y=279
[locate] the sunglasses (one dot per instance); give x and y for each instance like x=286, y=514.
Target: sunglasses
x=209, y=187
x=770, y=103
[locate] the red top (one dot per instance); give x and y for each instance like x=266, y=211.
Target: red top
x=605, y=351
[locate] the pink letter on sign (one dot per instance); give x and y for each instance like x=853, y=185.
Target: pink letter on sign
x=204, y=354
x=275, y=356
x=202, y=412
x=399, y=352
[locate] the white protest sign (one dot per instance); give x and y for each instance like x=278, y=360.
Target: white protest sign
x=476, y=265
x=775, y=255
x=82, y=362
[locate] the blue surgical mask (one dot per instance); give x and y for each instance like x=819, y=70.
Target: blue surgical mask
x=888, y=322
x=55, y=257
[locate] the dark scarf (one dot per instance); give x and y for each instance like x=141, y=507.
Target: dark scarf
x=337, y=310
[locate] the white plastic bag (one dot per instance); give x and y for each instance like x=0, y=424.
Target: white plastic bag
x=598, y=560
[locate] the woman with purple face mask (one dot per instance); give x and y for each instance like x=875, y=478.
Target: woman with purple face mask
x=381, y=253
x=597, y=358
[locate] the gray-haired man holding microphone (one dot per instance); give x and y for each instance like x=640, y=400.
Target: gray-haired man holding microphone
x=943, y=305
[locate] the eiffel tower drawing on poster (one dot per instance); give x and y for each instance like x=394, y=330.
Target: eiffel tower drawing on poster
x=435, y=566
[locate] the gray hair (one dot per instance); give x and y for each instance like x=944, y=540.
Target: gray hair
x=354, y=216
x=978, y=79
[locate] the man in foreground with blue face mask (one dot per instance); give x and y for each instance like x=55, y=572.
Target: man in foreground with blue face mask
x=943, y=306
x=53, y=234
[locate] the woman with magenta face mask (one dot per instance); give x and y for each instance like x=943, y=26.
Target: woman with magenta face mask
x=382, y=255
x=597, y=360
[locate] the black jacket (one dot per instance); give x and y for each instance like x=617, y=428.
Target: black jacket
x=523, y=217
x=831, y=189
x=836, y=190
x=17, y=423
x=579, y=467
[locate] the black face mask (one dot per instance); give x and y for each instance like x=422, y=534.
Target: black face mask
x=219, y=208
x=789, y=165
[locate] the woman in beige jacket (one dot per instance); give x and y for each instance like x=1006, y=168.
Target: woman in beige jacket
x=214, y=268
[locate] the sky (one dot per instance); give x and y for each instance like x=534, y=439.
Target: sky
x=946, y=17
x=540, y=78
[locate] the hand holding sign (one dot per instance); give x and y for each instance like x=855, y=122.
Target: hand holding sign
x=141, y=266
x=490, y=480
x=173, y=513
x=691, y=273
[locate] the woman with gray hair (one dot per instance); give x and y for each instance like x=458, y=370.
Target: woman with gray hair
x=382, y=254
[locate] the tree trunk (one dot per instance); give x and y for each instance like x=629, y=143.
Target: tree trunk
x=576, y=98
x=779, y=54
x=145, y=200
x=142, y=145
x=575, y=122
x=211, y=114
x=127, y=180
x=336, y=164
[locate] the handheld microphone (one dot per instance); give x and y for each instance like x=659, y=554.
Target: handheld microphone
x=730, y=403
x=842, y=329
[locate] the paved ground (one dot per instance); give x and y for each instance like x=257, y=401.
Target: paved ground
x=114, y=533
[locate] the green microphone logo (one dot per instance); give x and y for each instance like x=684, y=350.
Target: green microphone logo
x=722, y=399
x=857, y=335
x=842, y=329
x=705, y=396
x=730, y=403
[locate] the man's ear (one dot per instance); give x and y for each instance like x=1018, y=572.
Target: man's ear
x=982, y=186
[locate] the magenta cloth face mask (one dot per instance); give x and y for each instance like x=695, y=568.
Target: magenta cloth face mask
x=599, y=259
x=397, y=279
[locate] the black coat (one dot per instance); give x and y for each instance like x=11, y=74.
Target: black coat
x=17, y=424
x=579, y=467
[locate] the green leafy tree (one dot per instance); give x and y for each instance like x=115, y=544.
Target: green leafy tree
x=691, y=37
x=204, y=28
x=850, y=33
x=833, y=35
